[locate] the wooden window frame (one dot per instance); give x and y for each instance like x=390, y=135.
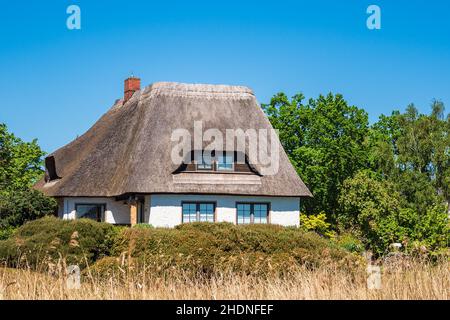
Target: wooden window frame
x=197, y=210
x=102, y=214
x=252, y=212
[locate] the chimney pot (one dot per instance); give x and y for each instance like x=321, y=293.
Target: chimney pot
x=132, y=84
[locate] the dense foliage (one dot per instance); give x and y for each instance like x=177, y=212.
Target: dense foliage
x=384, y=183
x=24, y=205
x=42, y=243
x=374, y=209
x=20, y=162
x=253, y=249
x=20, y=167
x=317, y=223
x=325, y=141
x=198, y=248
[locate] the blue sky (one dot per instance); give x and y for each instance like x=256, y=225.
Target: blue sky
x=55, y=83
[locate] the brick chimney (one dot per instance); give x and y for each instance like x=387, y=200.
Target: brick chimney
x=132, y=84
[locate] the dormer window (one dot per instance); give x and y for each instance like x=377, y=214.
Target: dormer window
x=207, y=161
x=50, y=169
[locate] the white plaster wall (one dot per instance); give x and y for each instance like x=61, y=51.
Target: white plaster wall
x=116, y=211
x=165, y=210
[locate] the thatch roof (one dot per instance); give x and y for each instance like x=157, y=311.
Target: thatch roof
x=128, y=150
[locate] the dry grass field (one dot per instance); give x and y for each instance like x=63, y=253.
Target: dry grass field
x=419, y=281
x=202, y=261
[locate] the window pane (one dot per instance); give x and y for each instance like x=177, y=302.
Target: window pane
x=260, y=213
x=189, y=212
x=206, y=212
x=89, y=211
x=243, y=212
x=225, y=162
x=205, y=161
x=203, y=212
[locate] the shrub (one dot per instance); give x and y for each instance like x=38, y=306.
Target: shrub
x=201, y=249
x=316, y=223
x=50, y=239
x=143, y=226
x=20, y=206
x=205, y=248
x=7, y=232
x=107, y=267
x=434, y=228
x=349, y=242
x=373, y=207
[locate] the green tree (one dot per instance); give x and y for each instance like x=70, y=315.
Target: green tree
x=20, y=162
x=413, y=150
x=373, y=207
x=367, y=206
x=20, y=168
x=382, y=141
x=386, y=183
x=325, y=141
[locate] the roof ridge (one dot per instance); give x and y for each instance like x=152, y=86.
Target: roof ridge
x=197, y=89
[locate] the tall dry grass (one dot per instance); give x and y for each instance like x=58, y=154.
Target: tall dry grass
x=418, y=281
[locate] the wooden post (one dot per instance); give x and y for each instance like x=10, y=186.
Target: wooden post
x=133, y=213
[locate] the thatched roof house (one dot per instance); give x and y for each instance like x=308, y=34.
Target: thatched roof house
x=122, y=169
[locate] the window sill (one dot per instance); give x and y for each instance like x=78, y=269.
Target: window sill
x=216, y=172
x=215, y=178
